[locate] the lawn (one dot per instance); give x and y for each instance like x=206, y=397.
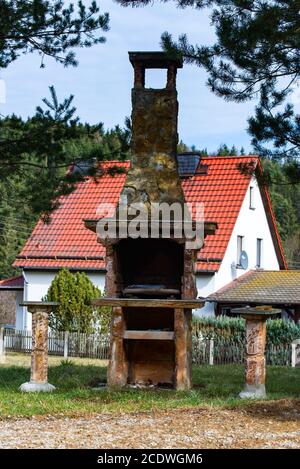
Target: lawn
x=214, y=386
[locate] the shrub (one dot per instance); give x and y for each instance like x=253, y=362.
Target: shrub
x=75, y=292
x=279, y=331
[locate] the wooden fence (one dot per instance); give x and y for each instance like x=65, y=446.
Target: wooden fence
x=205, y=351
x=67, y=344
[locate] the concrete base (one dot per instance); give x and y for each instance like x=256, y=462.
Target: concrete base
x=253, y=392
x=37, y=387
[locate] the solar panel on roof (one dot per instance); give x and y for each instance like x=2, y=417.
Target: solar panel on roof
x=83, y=167
x=188, y=163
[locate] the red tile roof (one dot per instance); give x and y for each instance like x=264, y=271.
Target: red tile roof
x=12, y=283
x=65, y=242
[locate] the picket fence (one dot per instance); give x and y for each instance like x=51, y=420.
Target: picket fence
x=67, y=344
x=214, y=352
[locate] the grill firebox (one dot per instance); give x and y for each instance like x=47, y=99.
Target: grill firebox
x=150, y=268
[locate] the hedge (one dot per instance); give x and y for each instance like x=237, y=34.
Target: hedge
x=279, y=331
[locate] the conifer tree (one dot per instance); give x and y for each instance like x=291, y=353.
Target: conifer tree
x=75, y=313
x=52, y=29
x=256, y=54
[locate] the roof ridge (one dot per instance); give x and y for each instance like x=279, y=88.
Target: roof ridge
x=230, y=156
x=276, y=271
x=116, y=162
x=15, y=277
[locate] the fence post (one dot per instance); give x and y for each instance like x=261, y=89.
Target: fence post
x=66, y=343
x=2, y=347
x=295, y=360
x=294, y=355
x=211, y=351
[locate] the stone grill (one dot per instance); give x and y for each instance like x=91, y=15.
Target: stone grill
x=150, y=283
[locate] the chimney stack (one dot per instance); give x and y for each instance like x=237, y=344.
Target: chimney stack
x=153, y=176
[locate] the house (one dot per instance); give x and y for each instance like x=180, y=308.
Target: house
x=246, y=237
x=278, y=289
x=11, y=295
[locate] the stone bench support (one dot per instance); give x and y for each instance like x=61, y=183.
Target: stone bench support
x=255, y=372
x=39, y=355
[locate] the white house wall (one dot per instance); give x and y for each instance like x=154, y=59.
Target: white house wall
x=20, y=311
x=251, y=224
x=37, y=282
x=205, y=286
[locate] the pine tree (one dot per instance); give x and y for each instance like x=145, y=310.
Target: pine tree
x=52, y=163
x=256, y=54
x=223, y=150
x=52, y=29
x=16, y=223
x=27, y=190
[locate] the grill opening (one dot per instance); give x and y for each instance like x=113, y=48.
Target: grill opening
x=150, y=267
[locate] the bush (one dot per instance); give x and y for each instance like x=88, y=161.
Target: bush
x=74, y=292
x=279, y=331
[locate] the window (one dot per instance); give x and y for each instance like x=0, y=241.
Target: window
x=259, y=243
x=240, y=248
x=251, y=204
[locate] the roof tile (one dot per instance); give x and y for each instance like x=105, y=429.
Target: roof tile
x=262, y=287
x=221, y=190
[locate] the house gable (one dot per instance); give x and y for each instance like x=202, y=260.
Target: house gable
x=252, y=224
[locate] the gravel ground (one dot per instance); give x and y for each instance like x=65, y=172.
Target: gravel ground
x=261, y=425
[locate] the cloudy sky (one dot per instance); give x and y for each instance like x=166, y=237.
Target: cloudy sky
x=103, y=80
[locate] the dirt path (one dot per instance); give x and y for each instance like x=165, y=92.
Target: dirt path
x=263, y=425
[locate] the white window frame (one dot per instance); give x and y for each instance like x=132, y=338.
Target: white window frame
x=251, y=198
x=240, y=248
x=259, y=252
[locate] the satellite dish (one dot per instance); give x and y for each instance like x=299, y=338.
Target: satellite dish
x=244, y=260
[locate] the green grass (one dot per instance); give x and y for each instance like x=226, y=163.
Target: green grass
x=215, y=386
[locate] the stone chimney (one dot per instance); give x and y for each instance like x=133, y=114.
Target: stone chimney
x=153, y=176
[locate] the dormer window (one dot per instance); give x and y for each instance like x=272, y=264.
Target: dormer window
x=251, y=196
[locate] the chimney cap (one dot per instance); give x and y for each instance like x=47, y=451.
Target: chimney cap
x=155, y=59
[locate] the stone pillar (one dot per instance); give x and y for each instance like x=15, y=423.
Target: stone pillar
x=183, y=348
x=39, y=355
x=189, y=288
x=255, y=373
x=110, y=277
x=139, y=75
x=117, y=368
x=171, y=77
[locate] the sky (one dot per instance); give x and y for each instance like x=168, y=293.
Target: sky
x=103, y=80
